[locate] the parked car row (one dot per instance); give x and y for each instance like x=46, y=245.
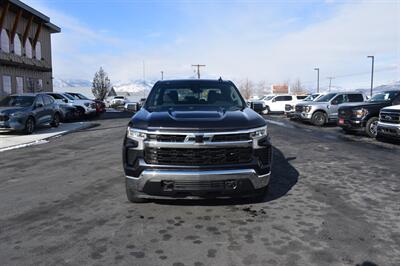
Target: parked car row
x=275, y=103
x=121, y=102
x=377, y=117
x=24, y=112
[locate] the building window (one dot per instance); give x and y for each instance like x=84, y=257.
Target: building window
x=7, y=84
x=4, y=41
x=17, y=45
x=20, y=84
x=28, y=48
x=30, y=85
x=38, y=51
x=39, y=85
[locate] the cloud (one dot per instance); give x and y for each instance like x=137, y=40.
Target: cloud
x=261, y=41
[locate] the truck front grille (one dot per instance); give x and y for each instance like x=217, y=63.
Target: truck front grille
x=166, y=138
x=345, y=112
x=390, y=117
x=198, y=156
x=289, y=107
x=212, y=138
x=299, y=108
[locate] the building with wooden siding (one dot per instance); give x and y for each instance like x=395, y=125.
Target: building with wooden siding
x=25, y=49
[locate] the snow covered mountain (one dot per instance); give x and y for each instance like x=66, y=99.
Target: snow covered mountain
x=387, y=87
x=135, y=88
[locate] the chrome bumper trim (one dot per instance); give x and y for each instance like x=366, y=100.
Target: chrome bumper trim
x=258, y=181
x=206, y=144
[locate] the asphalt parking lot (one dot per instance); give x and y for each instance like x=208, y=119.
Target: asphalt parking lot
x=334, y=200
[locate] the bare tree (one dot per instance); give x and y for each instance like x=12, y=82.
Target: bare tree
x=246, y=88
x=101, y=84
x=297, y=87
x=262, y=88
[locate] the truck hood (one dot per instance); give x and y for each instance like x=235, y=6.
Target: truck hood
x=210, y=119
x=303, y=103
x=395, y=108
x=11, y=110
x=364, y=104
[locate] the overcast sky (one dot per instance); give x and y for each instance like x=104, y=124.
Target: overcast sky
x=275, y=41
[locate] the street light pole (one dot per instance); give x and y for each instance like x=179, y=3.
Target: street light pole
x=162, y=75
x=372, y=72
x=317, y=69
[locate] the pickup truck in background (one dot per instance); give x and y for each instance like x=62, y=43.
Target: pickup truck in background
x=364, y=116
x=325, y=109
x=389, y=123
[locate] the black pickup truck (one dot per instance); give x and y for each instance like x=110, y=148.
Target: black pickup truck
x=196, y=139
x=365, y=116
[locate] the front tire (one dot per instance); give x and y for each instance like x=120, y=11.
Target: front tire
x=56, y=120
x=319, y=119
x=371, y=127
x=29, y=126
x=80, y=112
x=131, y=195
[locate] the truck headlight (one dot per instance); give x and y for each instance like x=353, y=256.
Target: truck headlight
x=360, y=113
x=87, y=104
x=259, y=132
x=307, y=109
x=135, y=134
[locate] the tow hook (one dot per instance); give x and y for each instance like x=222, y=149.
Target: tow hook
x=231, y=184
x=167, y=185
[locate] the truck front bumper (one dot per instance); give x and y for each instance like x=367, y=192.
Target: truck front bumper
x=389, y=130
x=197, y=183
x=302, y=115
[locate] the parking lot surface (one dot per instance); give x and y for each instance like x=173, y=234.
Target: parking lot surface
x=333, y=200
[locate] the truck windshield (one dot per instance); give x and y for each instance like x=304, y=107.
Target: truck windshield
x=194, y=95
x=383, y=96
x=326, y=98
x=17, y=101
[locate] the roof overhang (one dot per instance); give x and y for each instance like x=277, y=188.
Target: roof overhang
x=38, y=15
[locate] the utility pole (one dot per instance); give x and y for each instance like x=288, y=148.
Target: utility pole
x=317, y=69
x=372, y=72
x=162, y=75
x=330, y=82
x=198, y=69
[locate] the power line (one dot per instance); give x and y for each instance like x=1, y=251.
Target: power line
x=198, y=69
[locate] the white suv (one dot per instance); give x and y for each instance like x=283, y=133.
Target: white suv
x=277, y=103
x=84, y=105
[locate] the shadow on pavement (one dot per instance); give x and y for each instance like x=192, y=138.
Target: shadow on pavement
x=284, y=176
x=367, y=263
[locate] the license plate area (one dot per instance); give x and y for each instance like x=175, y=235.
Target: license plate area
x=341, y=121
